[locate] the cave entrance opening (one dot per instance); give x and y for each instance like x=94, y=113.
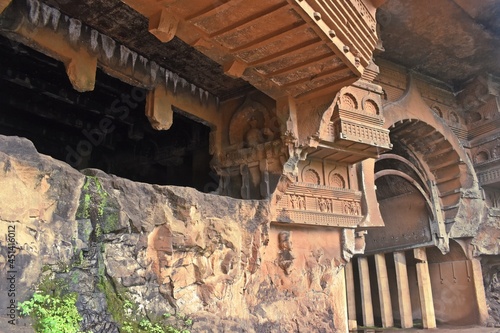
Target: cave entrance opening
x=105, y=129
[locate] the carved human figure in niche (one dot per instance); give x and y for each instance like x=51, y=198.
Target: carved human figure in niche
x=357, y=208
x=347, y=207
x=285, y=257
x=324, y=205
x=255, y=135
x=351, y=208
x=252, y=124
x=302, y=204
x=294, y=201
x=321, y=204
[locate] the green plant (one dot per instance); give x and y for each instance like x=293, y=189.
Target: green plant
x=149, y=327
x=98, y=230
x=123, y=311
x=128, y=304
x=52, y=313
x=127, y=327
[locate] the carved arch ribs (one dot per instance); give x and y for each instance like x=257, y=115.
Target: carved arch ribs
x=420, y=130
x=397, y=178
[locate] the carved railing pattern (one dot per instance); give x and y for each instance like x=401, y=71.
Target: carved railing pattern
x=490, y=176
x=358, y=132
x=319, y=205
x=319, y=219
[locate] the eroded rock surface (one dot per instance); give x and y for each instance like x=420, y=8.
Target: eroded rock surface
x=168, y=249
x=486, y=246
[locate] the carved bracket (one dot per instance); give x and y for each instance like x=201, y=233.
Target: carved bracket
x=158, y=108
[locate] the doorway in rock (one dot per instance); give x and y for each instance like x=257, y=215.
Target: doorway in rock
x=105, y=128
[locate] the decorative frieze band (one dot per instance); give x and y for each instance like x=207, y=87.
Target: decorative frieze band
x=317, y=218
x=313, y=204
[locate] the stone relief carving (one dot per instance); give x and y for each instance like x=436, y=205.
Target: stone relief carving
x=481, y=157
x=495, y=153
x=371, y=107
x=351, y=208
x=285, y=257
x=325, y=205
x=336, y=180
x=349, y=101
x=297, y=201
x=252, y=124
x=346, y=122
x=255, y=150
x=311, y=176
x=319, y=205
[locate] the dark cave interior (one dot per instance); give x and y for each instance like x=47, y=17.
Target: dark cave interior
x=105, y=129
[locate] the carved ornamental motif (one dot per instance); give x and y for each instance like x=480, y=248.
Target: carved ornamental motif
x=251, y=164
x=356, y=125
x=305, y=203
x=320, y=197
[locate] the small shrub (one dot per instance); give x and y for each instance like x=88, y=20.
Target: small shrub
x=52, y=313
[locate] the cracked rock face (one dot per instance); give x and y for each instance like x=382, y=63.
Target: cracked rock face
x=168, y=249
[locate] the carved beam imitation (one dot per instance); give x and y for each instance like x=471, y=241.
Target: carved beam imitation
x=163, y=25
x=159, y=109
x=81, y=70
x=235, y=68
x=80, y=64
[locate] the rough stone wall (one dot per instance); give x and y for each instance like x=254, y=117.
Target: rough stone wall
x=169, y=249
x=486, y=247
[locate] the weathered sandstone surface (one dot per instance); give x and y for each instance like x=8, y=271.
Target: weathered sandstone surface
x=168, y=249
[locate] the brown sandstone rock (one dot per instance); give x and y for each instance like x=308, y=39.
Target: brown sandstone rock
x=213, y=258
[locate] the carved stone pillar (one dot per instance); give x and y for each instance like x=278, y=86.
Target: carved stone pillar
x=479, y=289
x=340, y=316
x=403, y=290
x=351, y=297
x=384, y=291
x=424, y=289
x=366, y=293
